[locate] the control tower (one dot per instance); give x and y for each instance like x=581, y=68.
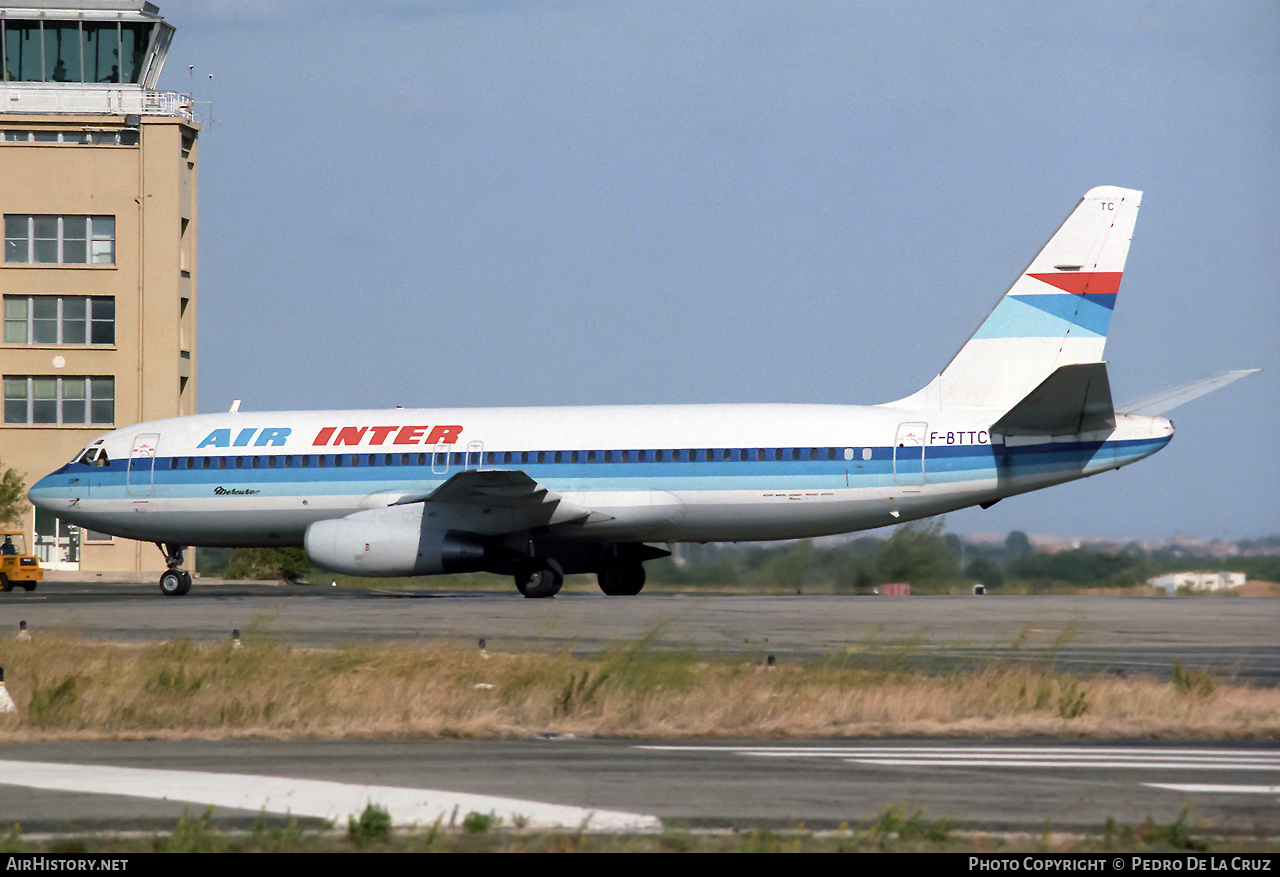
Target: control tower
x=98, y=190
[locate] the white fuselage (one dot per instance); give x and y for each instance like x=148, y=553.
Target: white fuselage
x=661, y=473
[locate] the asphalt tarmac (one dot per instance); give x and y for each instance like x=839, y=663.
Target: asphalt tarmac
x=1018, y=785
x=1232, y=637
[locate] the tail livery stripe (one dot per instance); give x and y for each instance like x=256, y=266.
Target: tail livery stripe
x=1056, y=313
x=1049, y=316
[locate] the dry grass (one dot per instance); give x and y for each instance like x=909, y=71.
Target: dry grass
x=70, y=688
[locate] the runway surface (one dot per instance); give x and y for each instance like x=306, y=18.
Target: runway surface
x=644, y=786
x=1230, y=636
x=1020, y=785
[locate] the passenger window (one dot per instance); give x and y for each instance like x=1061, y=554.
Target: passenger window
x=306, y=461
x=456, y=457
x=608, y=456
x=239, y=462
x=173, y=462
x=524, y=456
x=556, y=457
x=626, y=456
x=204, y=463
x=573, y=457
x=657, y=456
x=506, y=457
x=222, y=462
x=257, y=462
x=813, y=453
x=759, y=454
x=641, y=456
x=742, y=454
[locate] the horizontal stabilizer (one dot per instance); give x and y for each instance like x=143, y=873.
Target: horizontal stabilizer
x=1167, y=400
x=1073, y=399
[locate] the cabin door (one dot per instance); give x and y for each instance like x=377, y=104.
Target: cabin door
x=908, y=453
x=142, y=464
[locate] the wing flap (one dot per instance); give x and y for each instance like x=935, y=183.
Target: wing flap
x=512, y=493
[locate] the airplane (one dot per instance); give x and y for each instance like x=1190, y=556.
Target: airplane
x=539, y=493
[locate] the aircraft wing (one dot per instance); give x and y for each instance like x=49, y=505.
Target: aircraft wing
x=1167, y=400
x=511, y=494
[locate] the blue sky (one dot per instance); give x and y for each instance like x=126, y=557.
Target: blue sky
x=510, y=203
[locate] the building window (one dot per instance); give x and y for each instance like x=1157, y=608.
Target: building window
x=55, y=399
x=80, y=138
x=45, y=239
x=66, y=319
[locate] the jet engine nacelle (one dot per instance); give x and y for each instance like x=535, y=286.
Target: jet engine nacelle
x=392, y=541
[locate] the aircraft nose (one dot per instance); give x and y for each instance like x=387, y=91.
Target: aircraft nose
x=55, y=485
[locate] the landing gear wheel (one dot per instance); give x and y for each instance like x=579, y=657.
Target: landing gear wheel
x=175, y=582
x=621, y=579
x=541, y=578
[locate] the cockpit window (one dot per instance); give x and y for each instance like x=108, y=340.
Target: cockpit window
x=93, y=456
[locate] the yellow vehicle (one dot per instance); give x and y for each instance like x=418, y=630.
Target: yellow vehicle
x=16, y=566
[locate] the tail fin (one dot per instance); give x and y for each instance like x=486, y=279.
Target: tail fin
x=1056, y=313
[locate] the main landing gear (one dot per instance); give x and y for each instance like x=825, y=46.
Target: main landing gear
x=540, y=577
x=621, y=579
x=540, y=572
x=174, y=582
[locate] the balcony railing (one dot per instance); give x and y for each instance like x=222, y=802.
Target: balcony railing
x=78, y=99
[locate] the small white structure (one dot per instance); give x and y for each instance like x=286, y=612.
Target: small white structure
x=1198, y=581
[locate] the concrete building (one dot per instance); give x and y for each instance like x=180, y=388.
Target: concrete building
x=98, y=191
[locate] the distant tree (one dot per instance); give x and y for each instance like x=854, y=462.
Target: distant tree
x=12, y=504
x=917, y=553
x=268, y=563
x=788, y=569
x=1017, y=547
x=985, y=571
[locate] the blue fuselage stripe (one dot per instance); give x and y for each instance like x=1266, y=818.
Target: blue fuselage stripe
x=170, y=476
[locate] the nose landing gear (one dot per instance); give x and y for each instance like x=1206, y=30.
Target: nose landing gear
x=174, y=582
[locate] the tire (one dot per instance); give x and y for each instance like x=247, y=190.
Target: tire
x=5, y=584
x=28, y=586
x=172, y=583
x=540, y=579
x=621, y=579
x=612, y=579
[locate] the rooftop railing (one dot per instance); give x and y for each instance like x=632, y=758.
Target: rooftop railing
x=92, y=100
